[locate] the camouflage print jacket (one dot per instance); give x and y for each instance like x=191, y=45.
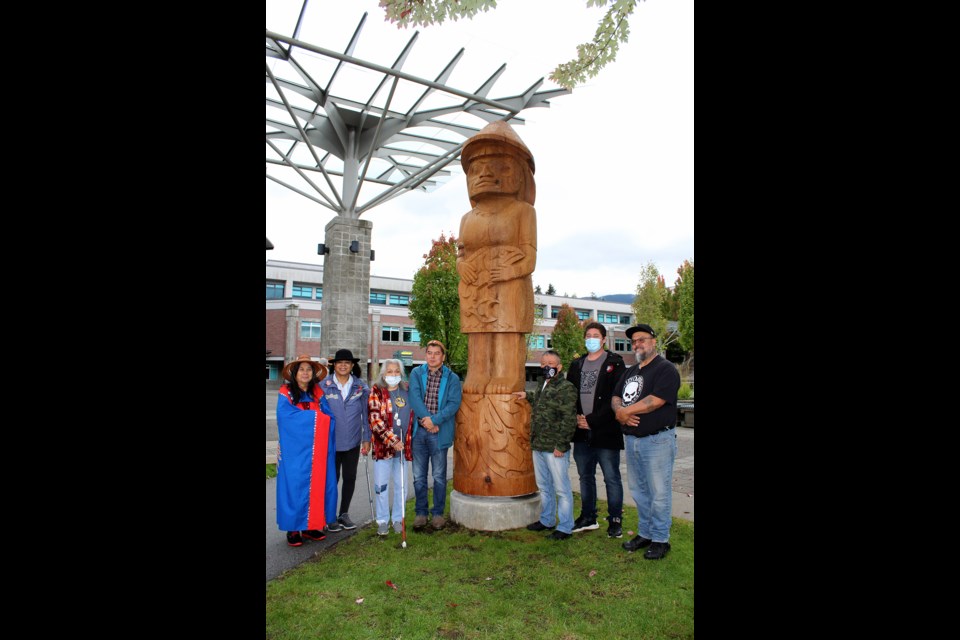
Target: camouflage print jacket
x=554, y=418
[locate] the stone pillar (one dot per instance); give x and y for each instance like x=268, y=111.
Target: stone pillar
x=293, y=330
x=346, y=288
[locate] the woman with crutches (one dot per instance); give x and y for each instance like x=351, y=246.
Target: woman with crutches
x=390, y=430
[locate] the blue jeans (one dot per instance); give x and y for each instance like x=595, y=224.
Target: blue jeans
x=650, y=472
x=384, y=472
x=587, y=458
x=426, y=451
x=556, y=498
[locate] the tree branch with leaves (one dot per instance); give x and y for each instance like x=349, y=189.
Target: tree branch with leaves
x=435, y=303
x=614, y=29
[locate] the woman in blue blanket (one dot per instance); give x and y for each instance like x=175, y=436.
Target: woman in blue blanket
x=306, y=478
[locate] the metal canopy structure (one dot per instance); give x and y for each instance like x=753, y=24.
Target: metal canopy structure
x=397, y=138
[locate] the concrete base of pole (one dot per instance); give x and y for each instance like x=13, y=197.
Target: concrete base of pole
x=494, y=513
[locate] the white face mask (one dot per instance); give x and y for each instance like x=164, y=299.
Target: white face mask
x=392, y=380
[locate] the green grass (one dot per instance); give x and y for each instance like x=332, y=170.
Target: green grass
x=271, y=470
x=458, y=583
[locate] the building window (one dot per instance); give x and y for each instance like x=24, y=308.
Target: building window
x=539, y=310
x=319, y=293
x=549, y=342
x=397, y=299
x=622, y=344
x=309, y=330
x=554, y=312
x=583, y=314
x=390, y=334
x=612, y=318
x=624, y=319
x=274, y=290
x=378, y=298
x=537, y=342
x=410, y=334
x=302, y=291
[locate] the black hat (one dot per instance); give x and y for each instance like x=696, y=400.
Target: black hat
x=344, y=354
x=640, y=327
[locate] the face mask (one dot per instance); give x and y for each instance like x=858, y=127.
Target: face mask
x=593, y=344
x=392, y=380
x=548, y=372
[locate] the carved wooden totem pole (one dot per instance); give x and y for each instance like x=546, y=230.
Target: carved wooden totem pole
x=496, y=258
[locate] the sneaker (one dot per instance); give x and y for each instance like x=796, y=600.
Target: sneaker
x=438, y=522
x=614, y=530
x=538, y=526
x=638, y=542
x=294, y=539
x=398, y=527
x=313, y=534
x=585, y=524
x=657, y=550
x=420, y=522
x=383, y=528
x=558, y=535
x=334, y=526
x=345, y=520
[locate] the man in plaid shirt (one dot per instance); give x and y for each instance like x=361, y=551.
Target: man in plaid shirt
x=435, y=394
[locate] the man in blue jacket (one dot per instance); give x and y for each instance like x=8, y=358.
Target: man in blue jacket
x=347, y=396
x=435, y=394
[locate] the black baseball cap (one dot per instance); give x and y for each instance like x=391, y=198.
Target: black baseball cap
x=640, y=327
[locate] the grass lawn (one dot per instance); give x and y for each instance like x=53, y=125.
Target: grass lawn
x=271, y=470
x=458, y=583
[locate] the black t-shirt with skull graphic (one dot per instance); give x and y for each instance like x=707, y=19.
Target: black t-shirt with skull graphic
x=659, y=378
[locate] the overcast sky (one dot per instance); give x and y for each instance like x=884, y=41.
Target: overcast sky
x=614, y=159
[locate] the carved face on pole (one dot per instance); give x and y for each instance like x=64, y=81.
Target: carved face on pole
x=494, y=175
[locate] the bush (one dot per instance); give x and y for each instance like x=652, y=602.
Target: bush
x=685, y=392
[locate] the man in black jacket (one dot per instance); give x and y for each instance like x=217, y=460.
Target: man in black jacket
x=598, y=438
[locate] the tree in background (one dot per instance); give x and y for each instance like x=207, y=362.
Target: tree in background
x=536, y=289
x=671, y=302
x=435, y=302
x=685, y=285
x=551, y=291
x=592, y=56
x=568, y=336
x=648, y=305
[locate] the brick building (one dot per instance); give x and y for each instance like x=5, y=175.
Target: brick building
x=294, y=312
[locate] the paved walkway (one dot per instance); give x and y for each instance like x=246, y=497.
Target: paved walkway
x=281, y=557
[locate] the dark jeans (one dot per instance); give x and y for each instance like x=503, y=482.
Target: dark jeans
x=587, y=458
x=427, y=452
x=347, y=460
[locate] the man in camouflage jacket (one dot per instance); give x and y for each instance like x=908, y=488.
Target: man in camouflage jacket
x=553, y=424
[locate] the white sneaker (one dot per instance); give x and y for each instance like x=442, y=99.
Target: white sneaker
x=383, y=528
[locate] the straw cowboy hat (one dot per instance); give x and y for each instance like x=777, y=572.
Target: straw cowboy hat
x=319, y=370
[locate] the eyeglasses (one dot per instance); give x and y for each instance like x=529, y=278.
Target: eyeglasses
x=640, y=340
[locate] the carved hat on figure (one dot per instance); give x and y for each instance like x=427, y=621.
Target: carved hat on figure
x=499, y=138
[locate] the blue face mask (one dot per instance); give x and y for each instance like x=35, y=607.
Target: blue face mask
x=593, y=344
